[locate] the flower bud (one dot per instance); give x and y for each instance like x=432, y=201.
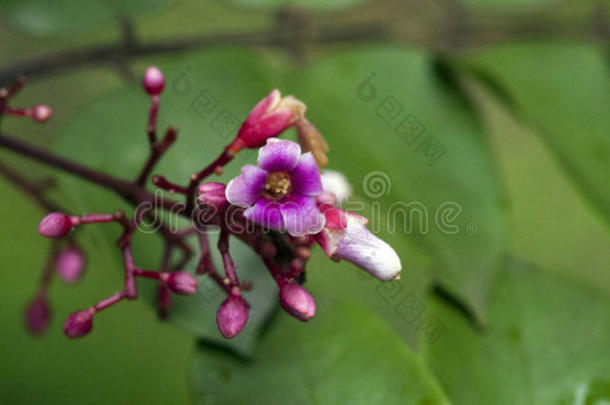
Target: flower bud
x=232, y=315
x=38, y=315
x=182, y=282
x=345, y=237
x=41, y=113
x=79, y=323
x=213, y=195
x=70, y=264
x=297, y=301
x=270, y=117
x=153, y=81
x=55, y=225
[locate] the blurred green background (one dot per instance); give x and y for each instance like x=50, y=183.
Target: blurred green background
x=517, y=91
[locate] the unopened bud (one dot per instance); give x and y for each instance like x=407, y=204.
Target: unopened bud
x=297, y=265
x=302, y=252
x=38, y=315
x=268, y=250
x=55, y=225
x=270, y=117
x=297, y=301
x=153, y=81
x=213, y=195
x=182, y=283
x=41, y=113
x=70, y=264
x=79, y=323
x=232, y=316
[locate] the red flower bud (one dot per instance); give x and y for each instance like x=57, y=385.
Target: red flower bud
x=70, y=264
x=232, y=316
x=55, y=225
x=79, y=323
x=213, y=195
x=182, y=282
x=270, y=117
x=297, y=301
x=38, y=315
x=41, y=113
x=153, y=81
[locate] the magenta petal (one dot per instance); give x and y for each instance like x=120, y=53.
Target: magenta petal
x=264, y=105
x=301, y=215
x=305, y=177
x=266, y=213
x=279, y=155
x=246, y=188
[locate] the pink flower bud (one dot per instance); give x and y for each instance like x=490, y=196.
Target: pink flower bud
x=70, y=264
x=55, y=225
x=41, y=113
x=182, y=282
x=213, y=195
x=153, y=81
x=232, y=316
x=270, y=117
x=79, y=323
x=38, y=315
x=297, y=301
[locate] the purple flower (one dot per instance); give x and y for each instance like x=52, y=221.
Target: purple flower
x=280, y=192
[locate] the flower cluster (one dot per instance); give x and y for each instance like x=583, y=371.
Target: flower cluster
x=286, y=202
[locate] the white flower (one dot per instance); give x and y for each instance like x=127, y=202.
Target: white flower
x=346, y=238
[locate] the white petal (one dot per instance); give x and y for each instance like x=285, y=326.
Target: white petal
x=361, y=247
x=336, y=183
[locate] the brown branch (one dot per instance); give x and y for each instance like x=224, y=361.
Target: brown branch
x=28, y=186
x=113, y=53
x=466, y=30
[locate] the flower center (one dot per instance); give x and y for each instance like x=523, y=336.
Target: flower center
x=277, y=186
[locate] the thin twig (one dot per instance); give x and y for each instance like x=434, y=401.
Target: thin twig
x=29, y=187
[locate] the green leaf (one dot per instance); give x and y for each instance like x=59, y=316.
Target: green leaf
x=563, y=90
x=109, y=135
x=310, y=4
x=381, y=109
x=321, y=362
x=41, y=17
x=546, y=343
